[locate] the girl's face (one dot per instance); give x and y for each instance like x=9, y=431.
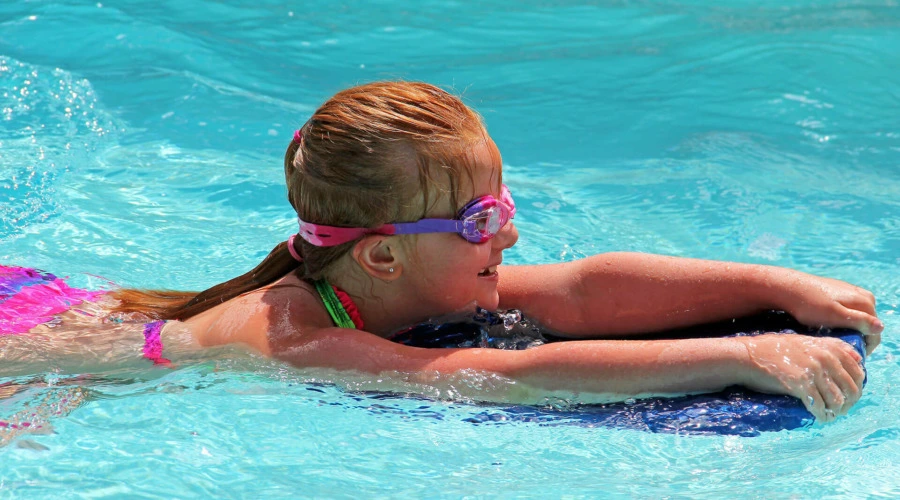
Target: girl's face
x=447, y=273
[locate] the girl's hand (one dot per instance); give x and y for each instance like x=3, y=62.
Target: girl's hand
x=824, y=373
x=817, y=301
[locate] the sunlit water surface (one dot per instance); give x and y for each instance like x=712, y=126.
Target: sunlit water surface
x=140, y=142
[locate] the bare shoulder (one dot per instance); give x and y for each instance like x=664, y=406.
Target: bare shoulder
x=291, y=308
x=263, y=318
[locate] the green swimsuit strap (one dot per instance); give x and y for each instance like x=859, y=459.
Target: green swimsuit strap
x=333, y=304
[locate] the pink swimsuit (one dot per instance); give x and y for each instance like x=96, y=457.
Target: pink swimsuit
x=29, y=297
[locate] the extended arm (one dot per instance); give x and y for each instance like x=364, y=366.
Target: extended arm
x=618, y=294
x=824, y=373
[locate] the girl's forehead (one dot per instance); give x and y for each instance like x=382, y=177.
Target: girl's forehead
x=485, y=170
x=478, y=172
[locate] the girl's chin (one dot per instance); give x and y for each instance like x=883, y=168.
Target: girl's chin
x=490, y=303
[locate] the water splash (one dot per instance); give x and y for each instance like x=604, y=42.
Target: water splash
x=50, y=122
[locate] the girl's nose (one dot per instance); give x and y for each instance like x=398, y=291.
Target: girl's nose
x=507, y=237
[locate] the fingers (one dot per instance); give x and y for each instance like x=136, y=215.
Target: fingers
x=863, y=321
x=815, y=404
x=860, y=299
x=840, y=381
x=861, y=306
x=834, y=303
x=872, y=341
x=871, y=329
x=824, y=373
x=870, y=326
x=848, y=381
x=852, y=364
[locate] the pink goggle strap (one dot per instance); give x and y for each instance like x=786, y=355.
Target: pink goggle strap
x=292, y=250
x=321, y=235
x=506, y=197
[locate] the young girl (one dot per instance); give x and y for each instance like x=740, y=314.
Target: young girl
x=403, y=217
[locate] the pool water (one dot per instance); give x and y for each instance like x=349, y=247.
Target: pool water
x=141, y=142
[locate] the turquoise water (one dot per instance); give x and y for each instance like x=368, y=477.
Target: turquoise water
x=141, y=142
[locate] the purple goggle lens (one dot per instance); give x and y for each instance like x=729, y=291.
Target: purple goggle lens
x=480, y=220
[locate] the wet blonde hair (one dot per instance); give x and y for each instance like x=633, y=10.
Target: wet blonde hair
x=370, y=155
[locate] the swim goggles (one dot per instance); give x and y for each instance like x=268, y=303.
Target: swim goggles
x=480, y=220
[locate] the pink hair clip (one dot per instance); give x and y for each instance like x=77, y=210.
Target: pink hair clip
x=298, y=136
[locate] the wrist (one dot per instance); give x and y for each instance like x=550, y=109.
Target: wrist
x=770, y=286
x=752, y=373
x=747, y=367
x=708, y=364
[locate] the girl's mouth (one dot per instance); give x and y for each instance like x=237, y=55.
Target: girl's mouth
x=488, y=271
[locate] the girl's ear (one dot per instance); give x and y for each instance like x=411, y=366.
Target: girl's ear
x=379, y=256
